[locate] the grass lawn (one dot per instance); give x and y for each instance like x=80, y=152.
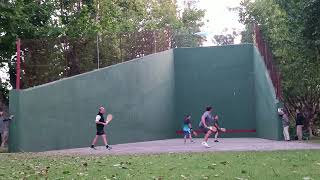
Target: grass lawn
x=243, y=165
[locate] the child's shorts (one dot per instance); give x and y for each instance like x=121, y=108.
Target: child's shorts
x=187, y=133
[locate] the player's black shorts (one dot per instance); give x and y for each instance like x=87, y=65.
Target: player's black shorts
x=99, y=133
x=203, y=129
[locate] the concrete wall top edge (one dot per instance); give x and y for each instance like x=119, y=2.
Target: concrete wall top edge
x=134, y=60
x=99, y=70
x=223, y=46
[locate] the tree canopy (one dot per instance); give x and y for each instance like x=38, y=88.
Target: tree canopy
x=80, y=22
x=292, y=29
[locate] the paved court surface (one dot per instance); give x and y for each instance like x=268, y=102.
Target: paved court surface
x=177, y=145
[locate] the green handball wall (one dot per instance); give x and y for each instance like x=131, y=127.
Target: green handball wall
x=148, y=97
x=139, y=94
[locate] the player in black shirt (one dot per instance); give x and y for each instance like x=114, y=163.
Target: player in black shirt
x=100, y=123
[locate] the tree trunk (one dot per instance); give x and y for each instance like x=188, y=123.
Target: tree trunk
x=310, y=132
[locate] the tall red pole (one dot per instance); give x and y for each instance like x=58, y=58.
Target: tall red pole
x=18, y=65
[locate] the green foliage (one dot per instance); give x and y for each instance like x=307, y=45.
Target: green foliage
x=80, y=21
x=247, y=34
x=225, y=38
x=292, y=30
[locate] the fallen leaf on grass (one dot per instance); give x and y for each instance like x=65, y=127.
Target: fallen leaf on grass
x=114, y=176
x=205, y=177
x=183, y=176
x=239, y=178
x=306, y=178
x=318, y=164
x=224, y=162
x=66, y=172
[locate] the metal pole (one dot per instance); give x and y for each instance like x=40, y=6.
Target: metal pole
x=98, y=53
x=155, y=42
x=98, y=20
x=18, y=65
x=121, y=48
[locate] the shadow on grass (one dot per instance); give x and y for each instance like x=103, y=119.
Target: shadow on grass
x=315, y=139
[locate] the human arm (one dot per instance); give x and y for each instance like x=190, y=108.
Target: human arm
x=203, y=120
x=98, y=117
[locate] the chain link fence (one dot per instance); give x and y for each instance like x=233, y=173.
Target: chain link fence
x=46, y=60
x=269, y=61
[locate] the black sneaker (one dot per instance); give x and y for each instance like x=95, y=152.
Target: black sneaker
x=92, y=147
x=216, y=141
x=108, y=147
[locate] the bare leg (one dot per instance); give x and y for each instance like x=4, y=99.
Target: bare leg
x=216, y=136
x=95, y=140
x=104, y=137
x=299, y=132
x=4, y=139
x=190, y=137
x=206, y=137
x=2, y=142
x=185, y=138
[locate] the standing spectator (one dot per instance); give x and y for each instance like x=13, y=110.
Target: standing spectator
x=299, y=124
x=4, y=129
x=1, y=125
x=285, y=124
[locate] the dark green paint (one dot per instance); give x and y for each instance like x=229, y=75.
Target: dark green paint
x=148, y=98
x=267, y=119
x=61, y=114
x=221, y=77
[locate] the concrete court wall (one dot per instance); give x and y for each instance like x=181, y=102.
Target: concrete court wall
x=58, y=115
x=221, y=77
x=148, y=98
x=268, y=123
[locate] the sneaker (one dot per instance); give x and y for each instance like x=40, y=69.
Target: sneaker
x=216, y=141
x=92, y=147
x=192, y=142
x=108, y=147
x=205, y=144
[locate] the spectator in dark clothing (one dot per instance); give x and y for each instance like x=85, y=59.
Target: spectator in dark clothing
x=299, y=124
x=4, y=128
x=1, y=126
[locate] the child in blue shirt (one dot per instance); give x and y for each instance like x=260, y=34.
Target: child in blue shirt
x=187, y=128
